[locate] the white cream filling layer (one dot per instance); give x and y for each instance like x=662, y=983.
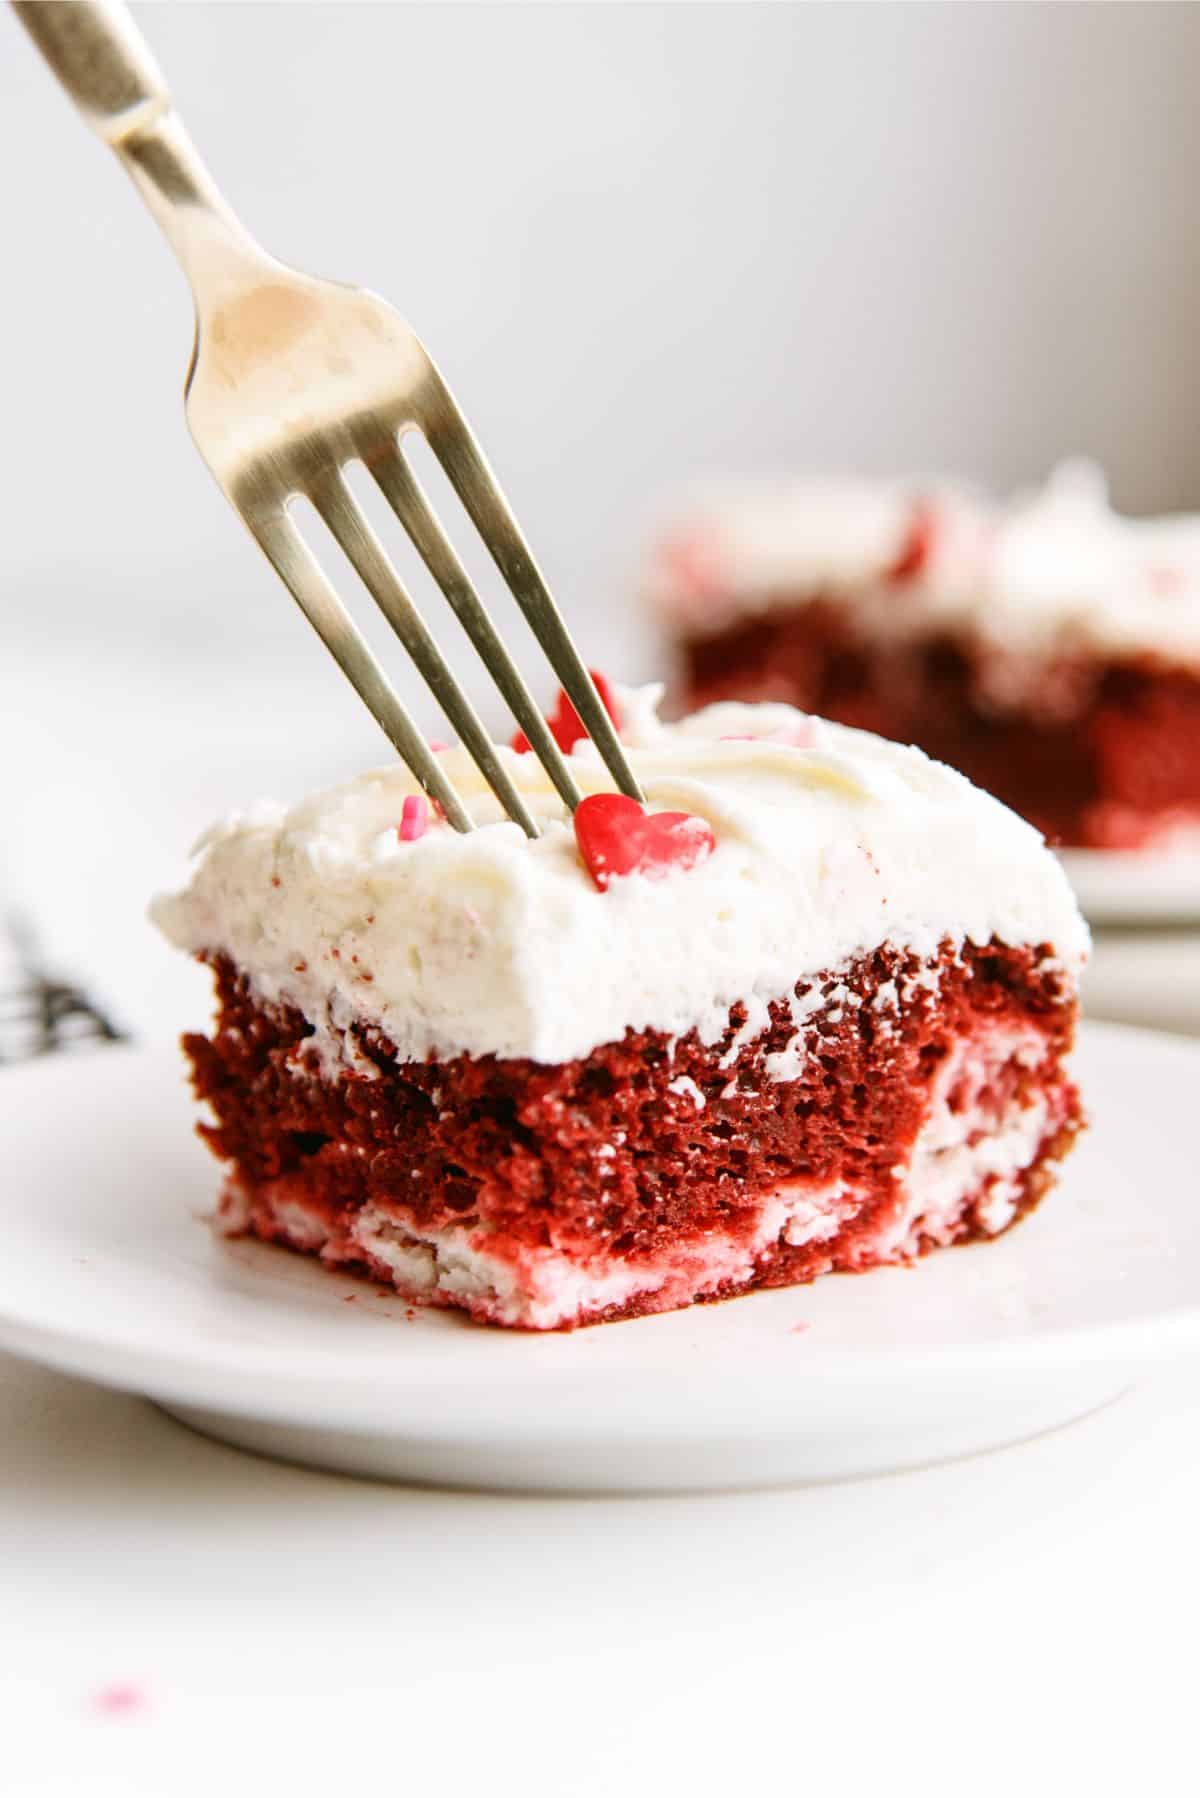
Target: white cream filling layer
x=962, y=1144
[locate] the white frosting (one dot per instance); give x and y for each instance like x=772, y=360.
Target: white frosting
x=1047, y=575
x=490, y=943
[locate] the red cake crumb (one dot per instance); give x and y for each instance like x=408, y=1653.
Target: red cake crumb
x=1105, y=756
x=607, y=1168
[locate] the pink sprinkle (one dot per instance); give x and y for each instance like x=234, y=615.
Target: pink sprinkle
x=414, y=819
x=437, y=746
x=694, y=562
x=800, y=1329
x=119, y=1700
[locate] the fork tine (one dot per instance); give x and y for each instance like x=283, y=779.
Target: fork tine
x=452, y=442
x=300, y=572
x=338, y=507
x=403, y=493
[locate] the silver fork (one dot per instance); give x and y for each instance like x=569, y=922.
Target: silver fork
x=293, y=379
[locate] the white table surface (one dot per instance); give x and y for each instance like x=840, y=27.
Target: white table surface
x=1020, y=1622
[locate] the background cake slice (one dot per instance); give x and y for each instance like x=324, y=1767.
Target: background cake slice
x=819, y=1022
x=1049, y=649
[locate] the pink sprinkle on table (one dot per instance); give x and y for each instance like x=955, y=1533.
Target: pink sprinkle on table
x=414, y=819
x=800, y=1329
x=119, y=1700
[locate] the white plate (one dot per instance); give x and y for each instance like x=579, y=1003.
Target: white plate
x=1136, y=886
x=108, y=1271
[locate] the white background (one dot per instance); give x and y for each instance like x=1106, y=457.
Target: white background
x=644, y=241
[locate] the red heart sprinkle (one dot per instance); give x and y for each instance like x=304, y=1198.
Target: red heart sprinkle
x=618, y=836
x=565, y=725
x=918, y=544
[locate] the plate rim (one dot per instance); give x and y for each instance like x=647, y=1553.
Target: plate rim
x=273, y=1383
x=1090, y=870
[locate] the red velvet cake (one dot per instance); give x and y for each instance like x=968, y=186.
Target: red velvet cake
x=1050, y=649
x=809, y=1010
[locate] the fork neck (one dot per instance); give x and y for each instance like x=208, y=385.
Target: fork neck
x=210, y=242
x=96, y=51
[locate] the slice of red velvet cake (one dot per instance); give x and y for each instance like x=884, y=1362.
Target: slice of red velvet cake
x=1049, y=649
x=808, y=1011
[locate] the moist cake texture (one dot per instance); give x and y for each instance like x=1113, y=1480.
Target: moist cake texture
x=831, y=1032
x=1049, y=649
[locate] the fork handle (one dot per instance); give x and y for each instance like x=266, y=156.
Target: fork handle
x=102, y=60
x=106, y=66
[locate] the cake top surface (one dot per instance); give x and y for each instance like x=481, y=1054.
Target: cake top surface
x=828, y=843
x=1050, y=573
